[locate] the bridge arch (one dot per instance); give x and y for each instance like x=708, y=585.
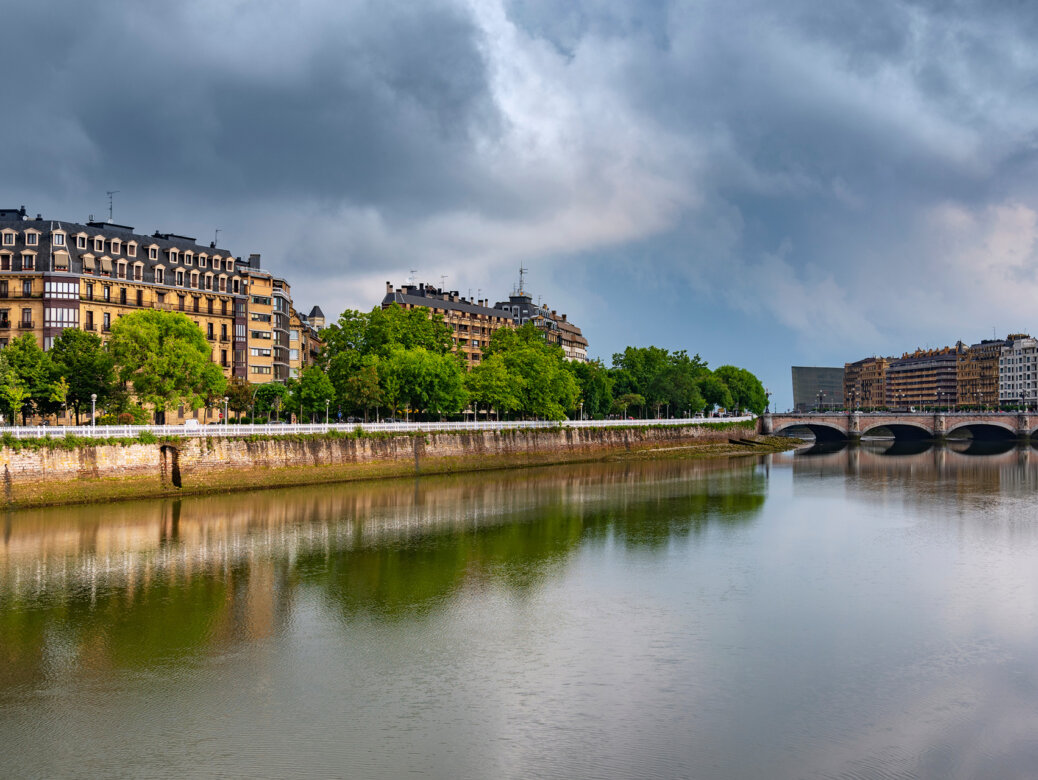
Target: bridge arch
x=989, y=430
x=820, y=430
x=902, y=431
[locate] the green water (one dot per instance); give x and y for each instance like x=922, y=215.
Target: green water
x=829, y=614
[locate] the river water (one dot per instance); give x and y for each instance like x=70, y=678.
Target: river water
x=822, y=614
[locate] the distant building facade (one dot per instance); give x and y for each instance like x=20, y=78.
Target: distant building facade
x=924, y=378
x=1018, y=371
x=978, y=374
x=865, y=383
x=817, y=387
x=471, y=322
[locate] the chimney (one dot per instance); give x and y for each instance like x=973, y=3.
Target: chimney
x=389, y=287
x=563, y=317
x=254, y=261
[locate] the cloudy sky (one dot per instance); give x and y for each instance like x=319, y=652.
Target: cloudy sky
x=768, y=184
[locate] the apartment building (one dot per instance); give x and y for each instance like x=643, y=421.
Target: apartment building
x=865, y=383
x=1018, y=371
x=471, y=322
x=56, y=275
x=978, y=374
x=817, y=387
x=557, y=329
x=924, y=378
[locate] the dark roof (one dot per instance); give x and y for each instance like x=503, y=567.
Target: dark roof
x=434, y=300
x=315, y=312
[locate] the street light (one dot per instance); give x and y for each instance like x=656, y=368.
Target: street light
x=581, y=410
x=225, y=400
x=93, y=407
x=326, y=402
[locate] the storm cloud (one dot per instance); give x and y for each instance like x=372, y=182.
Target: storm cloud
x=764, y=183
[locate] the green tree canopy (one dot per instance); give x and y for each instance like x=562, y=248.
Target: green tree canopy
x=542, y=385
x=311, y=392
x=166, y=359
x=423, y=381
x=81, y=358
x=747, y=390
x=595, y=385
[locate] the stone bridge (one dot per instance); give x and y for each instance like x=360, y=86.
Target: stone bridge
x=834, y=426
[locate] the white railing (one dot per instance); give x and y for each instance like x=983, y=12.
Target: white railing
x=275, y=429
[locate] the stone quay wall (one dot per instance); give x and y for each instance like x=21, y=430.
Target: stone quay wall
x=53, y=475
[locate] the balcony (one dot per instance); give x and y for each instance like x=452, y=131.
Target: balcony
x=26, y=325
x=5, y=324
x=90, y=327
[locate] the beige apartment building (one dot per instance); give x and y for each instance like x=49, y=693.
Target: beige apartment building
x=56, y=275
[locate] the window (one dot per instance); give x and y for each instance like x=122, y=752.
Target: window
x=8, y=239
x=197, y=301
x=209, y=303
x=223, y=308
x=256, y=317
x=259, y=300
x=138, y=273
x=26, y=289
x=106, y=292
x=293, y=335
x=180, y=278
x=90, y=292
x=208, y=282
x=216, y=263
x=235, y=286
x=223, y=358
x=259, y=352
x=261, y=369
x=120, y=269
x=116, y=245
x=59, y=239
x=174, y=255
x=140, y=297
x=223, y=284
x=293, y=354
x=3, y=288
x=26, y=318
x=89, y=320
x=180, y=302
x=66, y=290
x=28, y=262
x=160, y=276
x=223, y=332
x=31, y=239
x=122, y=295
x=153, y=253
x=106, y=323
x=5, y=262
x=131, y=249
x=201, y=261
x=194, y=279
x=239, y=332
x=99, y=244
x=210, y=332
x=81, y=242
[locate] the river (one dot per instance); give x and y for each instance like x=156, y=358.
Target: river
x=864, y=612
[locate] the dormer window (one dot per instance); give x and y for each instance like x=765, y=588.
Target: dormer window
x=59, y=239
x=216, y=263
x=201, y=261
x=160, y=276
x=31, y=239
x=180, y=278
x=99, y=244
x=117, y=246
x=189, y=258
x=230, y=265
x=131, y=249
x=81, y=242
x=8, y=238
x=153, y=253
x=194, y=280
x=28, y=262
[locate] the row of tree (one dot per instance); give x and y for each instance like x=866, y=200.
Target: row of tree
x=404, y=361
x=392, y=362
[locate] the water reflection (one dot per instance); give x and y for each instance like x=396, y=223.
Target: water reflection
x=89, y=588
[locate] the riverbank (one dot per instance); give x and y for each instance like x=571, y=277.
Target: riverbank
x=51, y=472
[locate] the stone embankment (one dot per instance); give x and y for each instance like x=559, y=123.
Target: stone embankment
x=49, y=474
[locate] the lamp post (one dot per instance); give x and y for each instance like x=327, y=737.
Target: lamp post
x=581, y=410
x=327, y=401
x=225, y=402
x=93, y=410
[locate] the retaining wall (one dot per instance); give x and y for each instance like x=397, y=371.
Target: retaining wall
x=93, y=473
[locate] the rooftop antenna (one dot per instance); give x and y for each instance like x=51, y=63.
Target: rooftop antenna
x=110, y=193
x=411, y=278
x=522, y=272
x=443, y=281
x=216, y=236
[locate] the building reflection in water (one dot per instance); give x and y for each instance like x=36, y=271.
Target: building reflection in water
x=92, y=587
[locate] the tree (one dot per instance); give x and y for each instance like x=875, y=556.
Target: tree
x=541, y=384
x=362, y=391
x=311, y=392
x=271, y=399
x=715, y=392
x=747, y=390
x=239, y=395
x=595, y=385
x=490, y=384
x=166, y=359
x=33, y=372
x=423, y=381
x=81, y=359
x=628, y=401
